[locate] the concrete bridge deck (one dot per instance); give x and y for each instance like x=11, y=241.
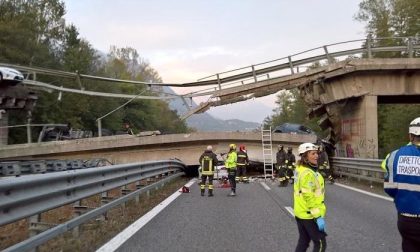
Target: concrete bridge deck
x=129, y=149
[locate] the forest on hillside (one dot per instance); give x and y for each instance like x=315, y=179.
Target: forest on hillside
x=35, y=33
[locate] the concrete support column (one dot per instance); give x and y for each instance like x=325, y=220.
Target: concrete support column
x=359, y=131
x=4, y=132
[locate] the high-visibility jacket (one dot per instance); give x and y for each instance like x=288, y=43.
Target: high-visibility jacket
x=208, y=161
x=231, y=160
x=402, y=178
x=242, y=158
x=309, y=190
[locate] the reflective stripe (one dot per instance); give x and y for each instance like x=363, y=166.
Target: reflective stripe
x=403, y=186
x=390, y=166
x=410, y=215
x=388, y=185
x=315, y=211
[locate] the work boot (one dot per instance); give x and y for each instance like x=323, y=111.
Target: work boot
x=210, y=193
x=202, y=192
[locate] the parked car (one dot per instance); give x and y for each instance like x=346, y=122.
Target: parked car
x=10, y=75
x=293, y=128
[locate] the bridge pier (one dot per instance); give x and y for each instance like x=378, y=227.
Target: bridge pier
x=358, y=128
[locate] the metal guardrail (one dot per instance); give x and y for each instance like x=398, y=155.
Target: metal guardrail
x=53, y=190
x=17, y=168
x=362, y=169
x=25, y=196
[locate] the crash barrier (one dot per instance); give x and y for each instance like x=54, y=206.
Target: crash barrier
x=16, y=168
x=360, y=168
x=49, y=191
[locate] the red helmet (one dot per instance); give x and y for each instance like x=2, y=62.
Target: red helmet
x=241, y=147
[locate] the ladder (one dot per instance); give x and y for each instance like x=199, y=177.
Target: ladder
x=267, y=153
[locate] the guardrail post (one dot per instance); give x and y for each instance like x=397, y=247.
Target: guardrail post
x=291, y=64
x=99, y=127
x=124, y=191
x=33, y=231
x=138, y=186
x=253, y=73
x=104, y=200
x=218, y=82
x=410, y=48
x=369, y=46
x=28, y=127
x=77, y=212
x=329, y=58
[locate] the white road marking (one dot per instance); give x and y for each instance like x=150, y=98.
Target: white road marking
x=122, y=237
x=290, y=210
x=265, y=186
x=365, y=192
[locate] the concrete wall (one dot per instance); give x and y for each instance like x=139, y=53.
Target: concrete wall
x=359, y=131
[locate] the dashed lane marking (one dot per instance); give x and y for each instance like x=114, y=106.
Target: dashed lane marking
x=266, y=187
x=364, y=192
x=122, y=237
x=290, y=210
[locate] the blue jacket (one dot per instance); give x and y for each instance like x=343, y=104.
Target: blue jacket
x=402, y=179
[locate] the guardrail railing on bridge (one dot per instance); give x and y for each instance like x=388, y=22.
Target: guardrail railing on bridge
x=362, y=169
x=30, y=195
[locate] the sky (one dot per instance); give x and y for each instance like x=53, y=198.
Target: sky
x=185, y=40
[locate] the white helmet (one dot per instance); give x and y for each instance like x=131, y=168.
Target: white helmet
x=306, y=147
x=414, y=127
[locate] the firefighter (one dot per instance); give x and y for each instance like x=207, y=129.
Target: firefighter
x=290, y=164
x=309, y=206
x=324, y=165
x=402, y=183
x=280, y=162
x=242, y=163
x=208, y=161
x=230, y=164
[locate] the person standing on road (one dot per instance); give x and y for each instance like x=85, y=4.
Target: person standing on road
x=280, y=162
x=402, y=183
x=242, y=163
x=230, y=164
x=309, y=206
x=324, y=164
x=290, y=164
x=208, y=161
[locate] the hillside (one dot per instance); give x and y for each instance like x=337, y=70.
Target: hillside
x=206, y=122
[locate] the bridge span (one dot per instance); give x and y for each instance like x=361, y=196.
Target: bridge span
x=122, y=149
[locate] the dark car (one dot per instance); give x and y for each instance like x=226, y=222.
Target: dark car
x=293, y=128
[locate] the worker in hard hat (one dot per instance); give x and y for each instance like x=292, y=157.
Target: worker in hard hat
x=324, y=164
x=208, y=161
x=280, y=165
x=402, y=183
x=309, y=206
x=230, y=164
x=290, y=165
x=242, y=163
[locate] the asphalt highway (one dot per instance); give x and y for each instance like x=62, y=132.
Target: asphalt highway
x=260, y=219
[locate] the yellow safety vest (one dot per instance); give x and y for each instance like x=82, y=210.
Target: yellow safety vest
x=231, y=160
x=309, y=190
x=207, y=167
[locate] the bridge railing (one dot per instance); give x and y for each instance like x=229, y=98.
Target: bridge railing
x=359, y=168
x=369, y=47
x=31, y=195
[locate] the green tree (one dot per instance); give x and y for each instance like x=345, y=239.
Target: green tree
x=292, y=109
